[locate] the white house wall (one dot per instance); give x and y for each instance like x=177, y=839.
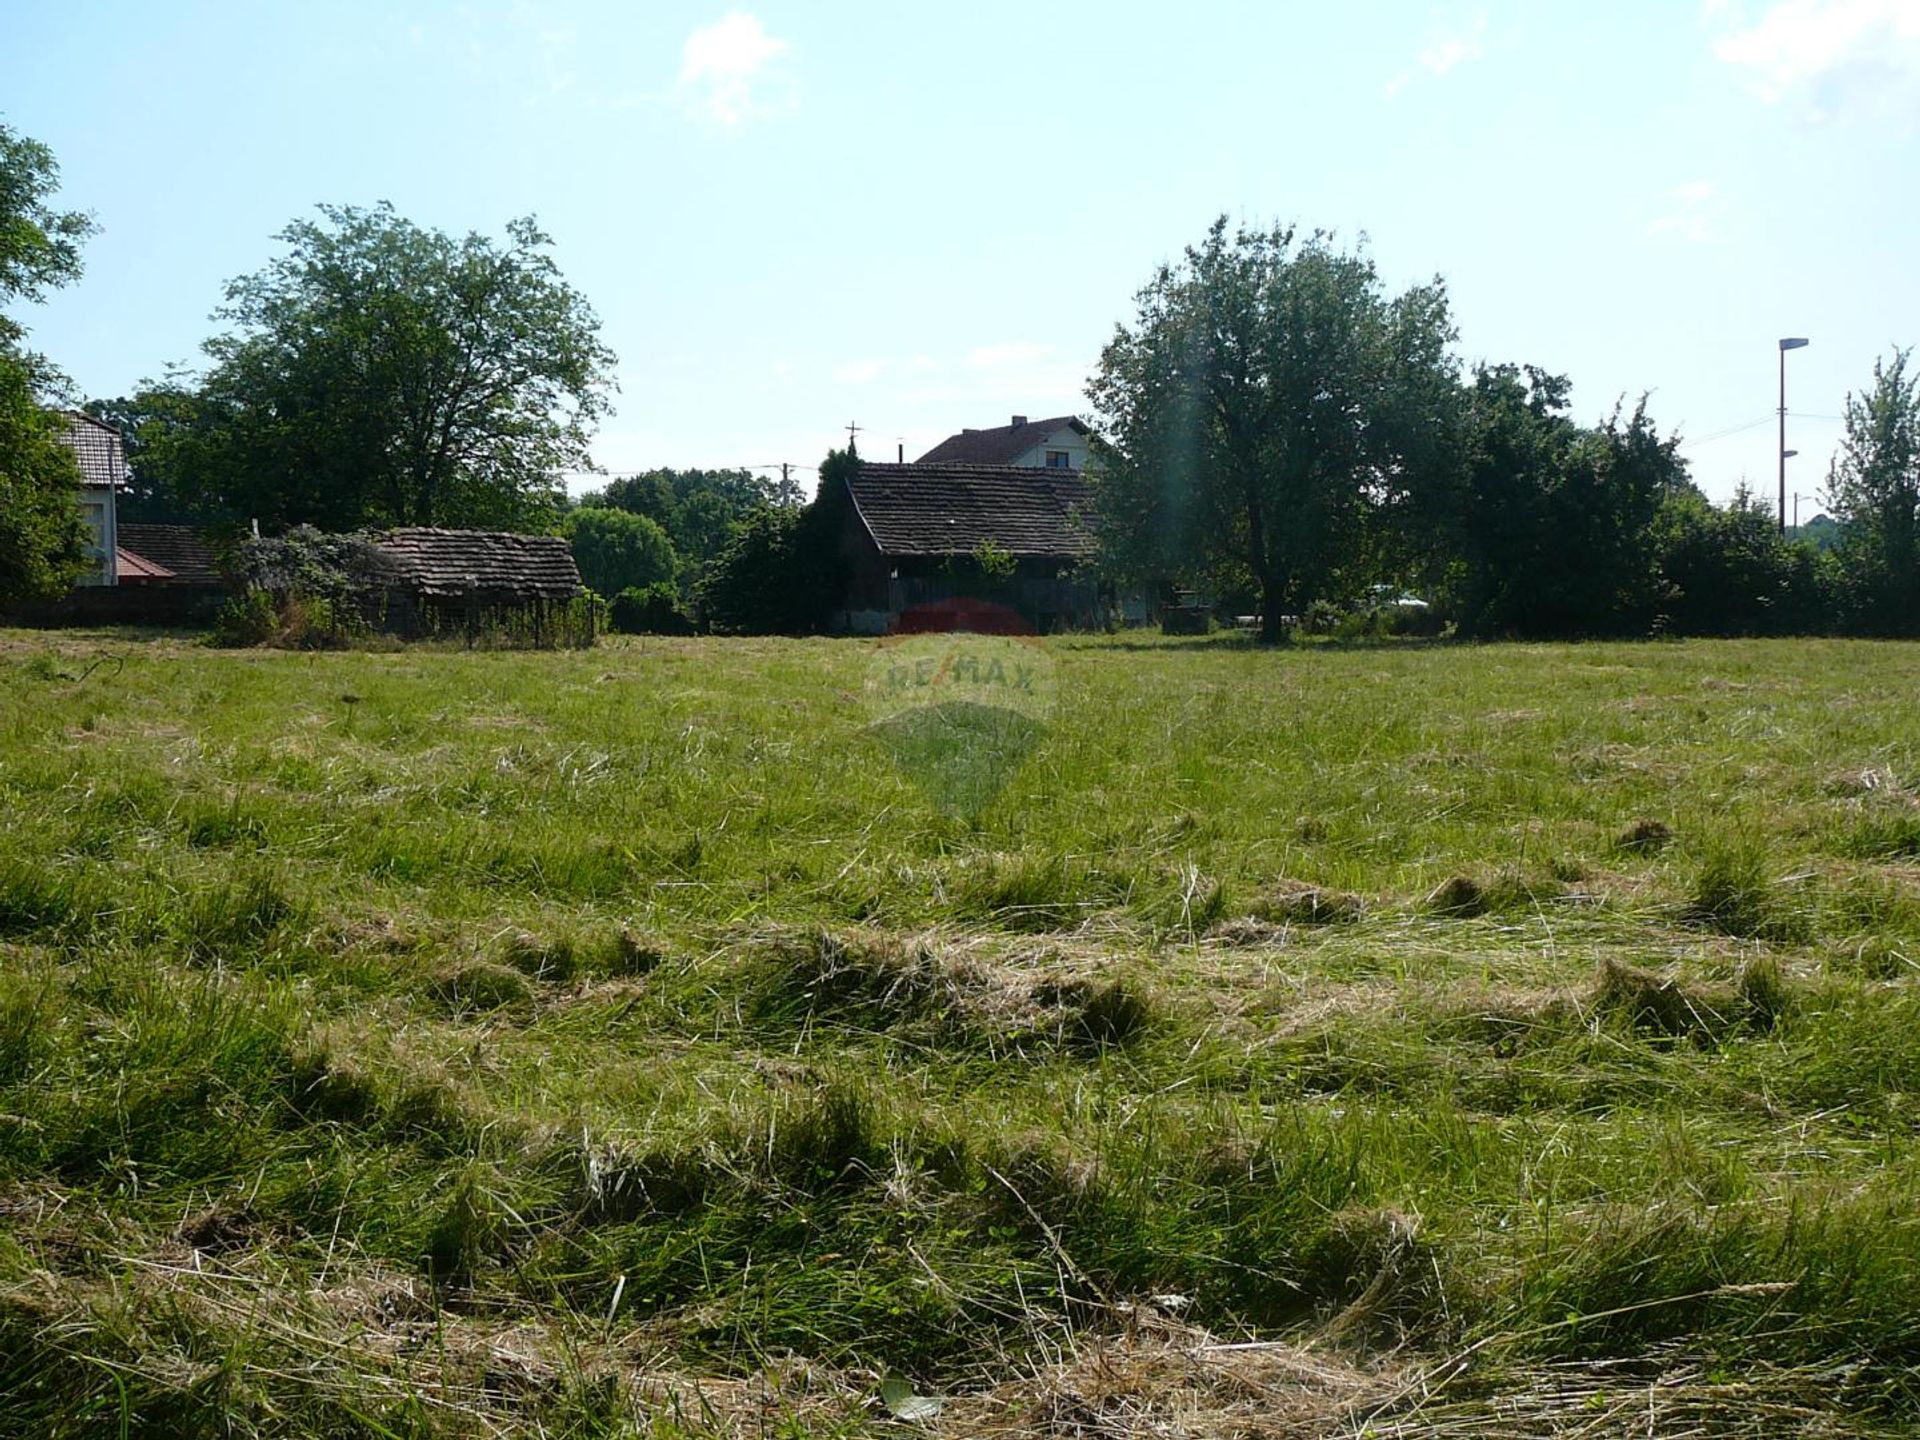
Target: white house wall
x=1066, y=438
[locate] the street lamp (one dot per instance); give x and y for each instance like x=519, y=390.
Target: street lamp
x=1785, y=345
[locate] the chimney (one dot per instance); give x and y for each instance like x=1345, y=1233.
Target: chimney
x=902, y=452
x=1019, y=419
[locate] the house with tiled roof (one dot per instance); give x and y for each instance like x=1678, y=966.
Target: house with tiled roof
x=1059, y=443
x=912, y=534
x=126, y=553
x=102, y=459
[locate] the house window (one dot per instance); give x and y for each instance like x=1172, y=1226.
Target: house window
x=1057, y=460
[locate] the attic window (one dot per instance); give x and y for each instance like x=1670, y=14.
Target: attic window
x=1057, y=460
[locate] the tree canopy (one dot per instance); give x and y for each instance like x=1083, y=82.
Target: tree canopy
x=380, y=373
x=42, y=541
x=1541, y=525
x=619, y=551
x=1268, y=402
x=1873, y=488
x=39, y=245
x=699, y=509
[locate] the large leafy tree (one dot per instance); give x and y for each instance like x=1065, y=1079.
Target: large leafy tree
x=1268, y=405
x=699, y=509
x=154, y=422
x=1536, y=525
x=1729, y=571
x=383, y=373
x=1873, y=489
x=781, y=571
x=619, y=551
x=42, y=542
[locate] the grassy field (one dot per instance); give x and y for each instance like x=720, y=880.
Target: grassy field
x=1517, y=1040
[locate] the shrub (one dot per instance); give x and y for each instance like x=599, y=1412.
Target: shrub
x=650, y=610
x=248, y=619
x=617, y=551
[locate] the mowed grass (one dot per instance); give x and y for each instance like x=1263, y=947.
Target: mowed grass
x=1518, y=1039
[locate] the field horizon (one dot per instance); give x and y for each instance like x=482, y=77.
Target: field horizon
x=660, y=1040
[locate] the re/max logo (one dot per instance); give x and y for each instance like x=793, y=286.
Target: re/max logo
x=960, y=669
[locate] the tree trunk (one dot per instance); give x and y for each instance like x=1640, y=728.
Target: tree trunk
x=1273, y=629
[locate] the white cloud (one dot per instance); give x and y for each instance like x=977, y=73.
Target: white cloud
x=859, y=372
x=1689, y=212
x=721, y=64
x=1447, y=50
x=1451, y=50
x=1827, y=56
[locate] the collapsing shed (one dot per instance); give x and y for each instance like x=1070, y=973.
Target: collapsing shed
x=489, y=585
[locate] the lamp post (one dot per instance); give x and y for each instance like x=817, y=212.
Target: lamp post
x=1785, y=345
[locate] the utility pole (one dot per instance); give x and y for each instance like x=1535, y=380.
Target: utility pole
x=1791, y=343
x=852, y=430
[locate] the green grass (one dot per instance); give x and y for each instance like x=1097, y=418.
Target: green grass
x=621, y=1043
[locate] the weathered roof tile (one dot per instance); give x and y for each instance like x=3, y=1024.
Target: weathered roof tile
x=945, y=509
x=1001, y=445
x=96, y=446
x=183, y=551
x=485, y=564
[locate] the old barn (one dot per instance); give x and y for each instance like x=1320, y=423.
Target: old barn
x=483, y=584
x=912, y=533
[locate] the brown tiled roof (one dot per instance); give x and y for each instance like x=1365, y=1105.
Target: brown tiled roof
x=184, y=551
x=96, y=445
x=490, y=564
x=925, y=509
x=1000, y=446
x=131, y=568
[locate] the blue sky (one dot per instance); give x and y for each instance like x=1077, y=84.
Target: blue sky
x=791, y=216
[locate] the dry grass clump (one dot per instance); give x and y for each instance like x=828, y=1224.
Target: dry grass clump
x=951, y=991
x=1874, y=780
x=1165, y=1380
x=1879, y=957
x=1458, y=896
x=1466, y=896
x=1644, y=837
x=473, y=985
x=551, y=959
x=635, y=953
x=1290, y=902
x=1660, y=1004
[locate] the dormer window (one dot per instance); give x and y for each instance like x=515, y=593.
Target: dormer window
x=1057, y=460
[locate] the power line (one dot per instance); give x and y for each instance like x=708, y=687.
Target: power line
x=1730, y=430
x=1747, y=425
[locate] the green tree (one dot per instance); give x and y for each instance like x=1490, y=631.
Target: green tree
x=1729, y=571
x=1535, y=525
x=781, y=572
x=384, y=374
x=699, y=509
x=39, y=245
x=617, y=551
x=42, y=540
x=1873, y=489
x=156, y=425
x=1266, y=408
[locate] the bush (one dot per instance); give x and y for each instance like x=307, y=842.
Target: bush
x=248, y=619
x=617, y=551
x=1730, y=571
x=650, y=610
